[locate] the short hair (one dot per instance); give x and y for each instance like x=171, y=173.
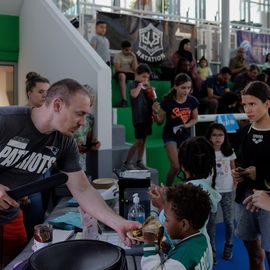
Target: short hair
x=257, y=89
x=241, y=49
x=125, y=44
x=143, y=68
x=32, y=78
x=225, y=70
x=189, y=202
x=100, y=22
x=253, y=67
x=65, y=89
x=197, y=156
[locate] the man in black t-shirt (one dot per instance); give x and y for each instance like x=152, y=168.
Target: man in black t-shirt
x=51, y=127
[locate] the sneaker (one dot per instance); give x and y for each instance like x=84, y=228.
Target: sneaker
x=140, y=166
x=227, y=252
x=124, y=103
x=126, y=166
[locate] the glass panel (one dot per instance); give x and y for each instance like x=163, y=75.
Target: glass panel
x=7, y=85
x=212, y=10
x=255, y=13
x=188, y=8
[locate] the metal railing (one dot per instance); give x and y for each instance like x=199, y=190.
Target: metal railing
x=203, y=118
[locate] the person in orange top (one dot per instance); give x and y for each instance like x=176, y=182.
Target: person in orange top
x=181, y=112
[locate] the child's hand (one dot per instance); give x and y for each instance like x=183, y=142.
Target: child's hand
x=82, y=148
x=94, y=145
x=149, y=238
x=156, y=106
x=237, y=176
x=156, y=194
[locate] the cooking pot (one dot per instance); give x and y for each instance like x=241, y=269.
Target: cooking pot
x=78, y=255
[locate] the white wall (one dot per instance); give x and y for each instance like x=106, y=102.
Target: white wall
x=51, y=46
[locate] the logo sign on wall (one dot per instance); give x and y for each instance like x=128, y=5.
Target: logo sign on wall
x=153, y=41
x=256, y=45
x=150, y=46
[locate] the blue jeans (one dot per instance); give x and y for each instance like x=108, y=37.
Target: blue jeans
x=226, y=204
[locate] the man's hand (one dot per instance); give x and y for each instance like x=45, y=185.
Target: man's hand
x=6, y=201
x=125, y=226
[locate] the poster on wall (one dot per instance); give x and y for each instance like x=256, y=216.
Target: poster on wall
x=153, y=41
x=256, y=45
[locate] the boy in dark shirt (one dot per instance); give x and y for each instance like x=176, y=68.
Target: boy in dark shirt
x=141, y=116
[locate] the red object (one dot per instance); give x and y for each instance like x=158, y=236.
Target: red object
x=13, y=238
x=151, y=93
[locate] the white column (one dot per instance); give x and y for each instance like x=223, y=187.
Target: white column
x=225, y=30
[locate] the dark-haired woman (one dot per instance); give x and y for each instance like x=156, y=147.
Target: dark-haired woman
x=181, y=113
x=36, y=89
x=184, y=52
x=253, y=228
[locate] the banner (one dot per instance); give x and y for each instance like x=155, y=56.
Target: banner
x=228, y=121
x=256, y=45
x=153, y=41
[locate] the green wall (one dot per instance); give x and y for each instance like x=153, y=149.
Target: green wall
x=9, y=38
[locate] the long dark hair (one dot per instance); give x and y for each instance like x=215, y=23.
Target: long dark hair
x=197, y=156
x=181, y=78
x=225, y=148
x=257, y=89
x=182, y=52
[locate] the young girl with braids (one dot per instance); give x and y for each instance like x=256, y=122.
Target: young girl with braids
x=225, y=162
x=181, y=112
x=197, y=161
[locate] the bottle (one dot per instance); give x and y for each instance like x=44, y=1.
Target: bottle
x=136, y=211
x=90, y=226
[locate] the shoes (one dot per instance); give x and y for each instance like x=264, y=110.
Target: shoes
x=227, y=252
x=140, y=166
x=124, y=103
x=127, y=166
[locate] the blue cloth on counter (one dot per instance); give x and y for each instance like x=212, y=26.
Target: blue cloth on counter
x=72, y=203
x=68, y=221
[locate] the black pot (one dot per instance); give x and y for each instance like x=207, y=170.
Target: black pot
x=78, y=255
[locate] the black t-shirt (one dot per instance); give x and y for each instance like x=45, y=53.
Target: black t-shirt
x=254, y=151
x=18, y=136
x=177, y=114
x=141, y=106
x=213, y=83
